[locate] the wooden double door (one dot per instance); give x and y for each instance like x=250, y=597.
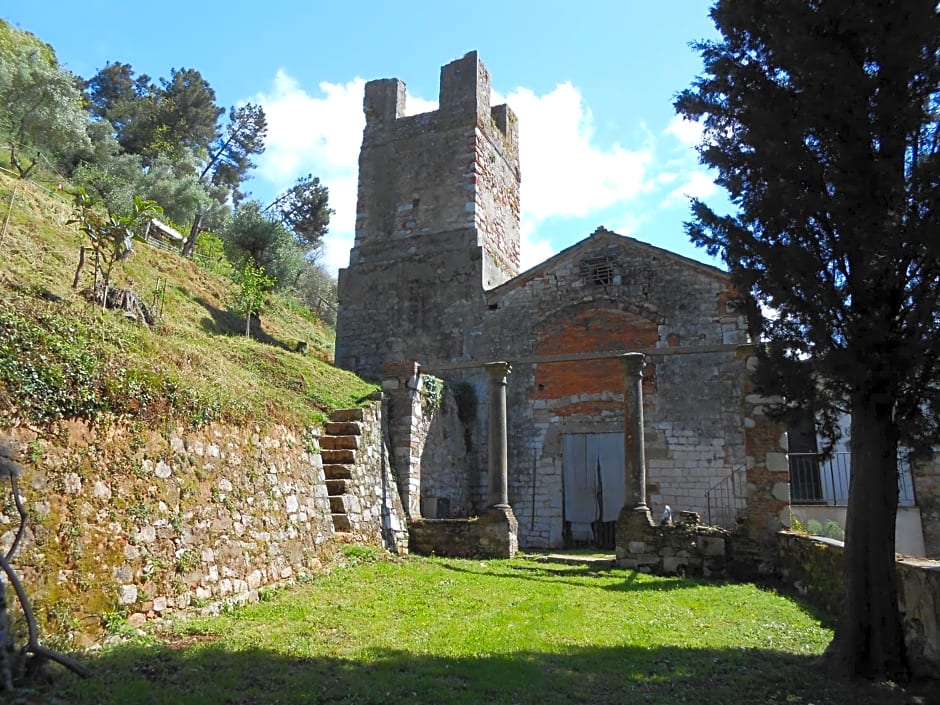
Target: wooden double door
x=594, y=488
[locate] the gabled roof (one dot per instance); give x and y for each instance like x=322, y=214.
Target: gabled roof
x=598, y=238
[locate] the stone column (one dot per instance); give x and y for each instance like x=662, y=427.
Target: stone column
x=634, y=446
x=498, y=492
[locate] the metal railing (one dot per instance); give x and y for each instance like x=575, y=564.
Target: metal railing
x=726, y=501
x=815, y=479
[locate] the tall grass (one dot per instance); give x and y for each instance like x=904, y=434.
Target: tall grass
x=62, y=356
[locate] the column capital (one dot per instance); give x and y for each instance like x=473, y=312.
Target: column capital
x=633, y=363
x=497, y=371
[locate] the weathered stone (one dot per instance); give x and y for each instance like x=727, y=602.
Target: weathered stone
x=127, y=594
x=146, y=534
x=101, y=491
x=73, y=483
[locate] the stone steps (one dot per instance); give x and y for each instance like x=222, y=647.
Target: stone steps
x=340, y=471
x=348, y=415
x=329, y=442
x=338, y=447
x=336, y=457
x=335, y=488
x=343, y=428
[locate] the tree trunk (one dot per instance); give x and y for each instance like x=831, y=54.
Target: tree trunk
x=81, y=263
x=869, y=640
x=194, y=231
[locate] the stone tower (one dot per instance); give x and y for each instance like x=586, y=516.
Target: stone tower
x=437, y=223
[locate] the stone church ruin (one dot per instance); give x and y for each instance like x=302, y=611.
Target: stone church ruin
x=433, y=287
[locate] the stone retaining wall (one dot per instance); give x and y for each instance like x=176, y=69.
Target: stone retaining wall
x=814, y=565
x=683, y=549
x=129, y=520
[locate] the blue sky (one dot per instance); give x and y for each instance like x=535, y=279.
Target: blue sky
x=592, y=82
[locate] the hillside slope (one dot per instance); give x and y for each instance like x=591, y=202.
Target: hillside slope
x=61, y=356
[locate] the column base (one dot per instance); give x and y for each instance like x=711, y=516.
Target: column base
x=497, y=532
x=633, y=527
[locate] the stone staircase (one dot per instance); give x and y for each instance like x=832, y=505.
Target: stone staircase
x=338, y=446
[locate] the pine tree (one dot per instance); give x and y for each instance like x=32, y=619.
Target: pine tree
x=821, y=122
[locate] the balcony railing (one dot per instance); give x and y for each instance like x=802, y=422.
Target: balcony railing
x=815, y=479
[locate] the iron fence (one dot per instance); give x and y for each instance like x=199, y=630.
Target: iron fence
x=726, y=501
x=817, y=479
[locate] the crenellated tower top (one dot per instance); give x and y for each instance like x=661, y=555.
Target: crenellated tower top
x=438, y=195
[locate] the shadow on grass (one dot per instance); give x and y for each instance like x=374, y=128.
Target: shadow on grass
x=226, y=322
x=630, y=581
x=627, y=580
x=205, y=673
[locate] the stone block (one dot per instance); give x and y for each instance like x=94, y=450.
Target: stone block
x=636, y=547
x=674, y=565
x=711, y=545
x=777, y=462
x=127, y=594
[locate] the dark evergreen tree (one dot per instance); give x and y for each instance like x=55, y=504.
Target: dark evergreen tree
x=304, y=209
x=821, y=122
x=185, y=116
x=115, y=95
x=174, y=119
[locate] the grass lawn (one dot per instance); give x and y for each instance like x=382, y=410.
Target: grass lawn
x=424, y=630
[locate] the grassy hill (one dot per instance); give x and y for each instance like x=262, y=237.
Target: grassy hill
x=62, y=356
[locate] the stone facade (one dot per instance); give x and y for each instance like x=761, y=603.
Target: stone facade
x=433, y=277
x=437, y=220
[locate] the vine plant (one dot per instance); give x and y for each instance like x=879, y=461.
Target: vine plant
x=30, y=658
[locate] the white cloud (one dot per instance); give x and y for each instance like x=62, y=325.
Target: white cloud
x=533, y=249
x=565, y=172
x=320, y=135
x=698, y=184
x=688, y=132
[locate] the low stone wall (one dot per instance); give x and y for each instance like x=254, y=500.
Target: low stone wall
x=814, y=565
x=926, y=475
x=494, y=534
x=130, y=520
x=682, y=549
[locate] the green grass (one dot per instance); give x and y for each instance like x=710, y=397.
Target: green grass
x=457, y=632
x=61, y=357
